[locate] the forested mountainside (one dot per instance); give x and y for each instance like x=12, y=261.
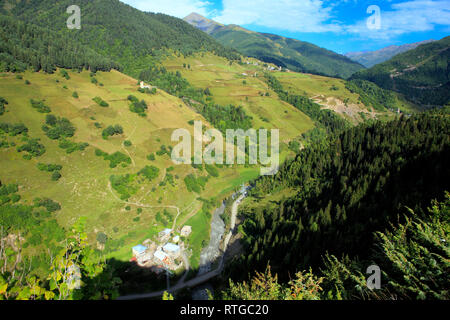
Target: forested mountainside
x=421, y=74
x=361, y=182
x=371, y=58
x=113, y=29
x=24, y=46
x=288, y=53
x=412, y=256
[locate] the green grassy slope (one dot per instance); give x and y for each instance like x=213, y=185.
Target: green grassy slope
x=237, y=84
x=83, y=189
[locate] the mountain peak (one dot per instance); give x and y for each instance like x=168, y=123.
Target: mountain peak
x=202, y=23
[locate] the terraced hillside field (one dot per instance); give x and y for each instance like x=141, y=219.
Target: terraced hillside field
x=242, y=85
x=123, y=207
x=333, y=94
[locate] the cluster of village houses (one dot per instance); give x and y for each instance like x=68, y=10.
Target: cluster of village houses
x=162, y=254
x=269, y=67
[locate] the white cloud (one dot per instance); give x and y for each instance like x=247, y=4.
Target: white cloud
x=292, y=15
x=406, y=17
x=177, y=8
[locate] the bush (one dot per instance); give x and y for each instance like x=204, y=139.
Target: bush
x=71, y=146
x=149, y=172
x=114, y=159
x=49, y=167
x=139, y=108
x=33, y=147
x=40, y=106
x=112, y=130
x=101, y=238
x=151, y=157
x=59, y=127
x=64, y=74
x=13, y=129
x=75, y=95
x=101, y=102
x=56, y=176
x=212, y=170
x=49, y=204
x=127, y=143
x=3, y=102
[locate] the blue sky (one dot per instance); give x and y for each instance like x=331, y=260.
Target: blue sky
x=341, y=26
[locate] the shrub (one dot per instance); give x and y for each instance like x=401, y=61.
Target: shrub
x=149, y=172
x=139, y=108
x=75, y=95
x=114, y=159
x=59, y=127
x=101, y=102
x=101, y=238
x=212, y=170
x=13, y=129
x=49, y=204
x=3, y=102
x=71, y=146
x=151, y=157
x=127, y=143
x=56, y=176
x=64, y=74
x=40, y=106
x=33, y=147
x=111, y=131
x=49, y=167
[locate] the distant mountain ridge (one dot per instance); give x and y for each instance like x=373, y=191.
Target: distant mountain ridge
x=371, y=58
x=202, y=23
x=289, y=53
x=422, y=74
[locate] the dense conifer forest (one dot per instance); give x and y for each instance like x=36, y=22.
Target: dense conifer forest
x=367, y=179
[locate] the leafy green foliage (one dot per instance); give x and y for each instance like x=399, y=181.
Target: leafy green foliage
x=40, y=106
x=101, y=102
x=71, y=146
x=33, y=148
x=149, y=172
x=195, y=184
x=212, y=170
x=13, y=129
x=123, y=184
x=139, y=107
x=111, y=131
x=265, y=286
x=114, y=159
x=3, y=102
x=56, y=127
x=413, y=257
